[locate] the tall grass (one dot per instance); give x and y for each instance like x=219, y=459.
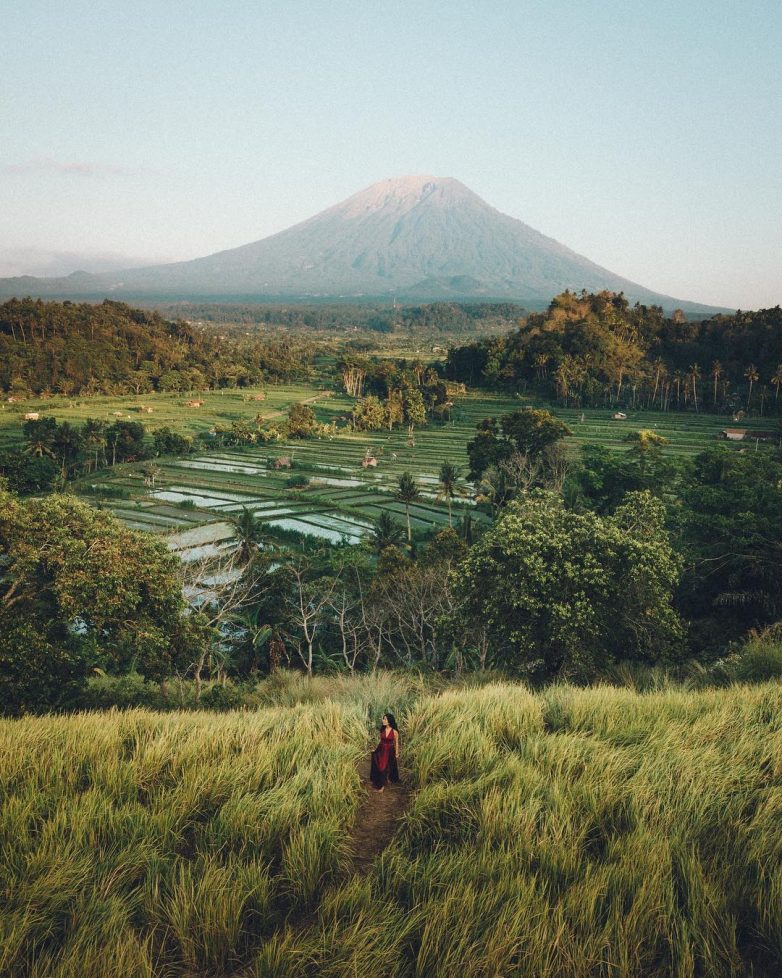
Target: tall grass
x=568, y=834
x=137, y=844
x=574, y=833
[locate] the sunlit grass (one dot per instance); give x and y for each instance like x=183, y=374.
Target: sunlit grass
x=566, y=834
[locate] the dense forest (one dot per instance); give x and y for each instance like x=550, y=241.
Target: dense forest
x=596, y=350
x=75, y=348
x=436, y=316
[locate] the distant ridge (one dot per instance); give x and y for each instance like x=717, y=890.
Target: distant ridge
x=414, y=238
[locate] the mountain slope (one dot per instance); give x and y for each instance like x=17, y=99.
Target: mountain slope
x=411, y=237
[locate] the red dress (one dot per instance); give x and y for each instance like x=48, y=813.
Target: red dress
x=384, y=767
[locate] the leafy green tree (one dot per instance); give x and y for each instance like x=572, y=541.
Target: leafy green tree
x=79, y=589
x=28, y=473
x=752, y=375
x=395, y=409
x=94, y=435
x=731, y=527
x=646, y=445
x=565, y=593
x=487, y=448
x=369, y=414
x=407, y=492
x=415, y=409
x=532, y=431
x=125, y=441
x=68, y=446
x=495, y=487
x=301, y=421
x=166, y=441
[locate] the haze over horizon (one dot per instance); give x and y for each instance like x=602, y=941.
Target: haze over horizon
x=645, y=138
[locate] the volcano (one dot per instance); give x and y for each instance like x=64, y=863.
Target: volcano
x=413, y=238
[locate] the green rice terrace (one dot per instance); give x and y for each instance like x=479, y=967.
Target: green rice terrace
x=194, y=496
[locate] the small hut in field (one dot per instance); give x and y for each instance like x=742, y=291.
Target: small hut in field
x=283, y=462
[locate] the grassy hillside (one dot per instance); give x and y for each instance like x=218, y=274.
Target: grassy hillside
x=572, y=833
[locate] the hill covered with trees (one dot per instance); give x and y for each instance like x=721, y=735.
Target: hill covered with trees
x=75, y=348
x=597, y=349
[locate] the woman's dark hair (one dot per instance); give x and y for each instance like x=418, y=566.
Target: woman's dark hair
x=391, y=721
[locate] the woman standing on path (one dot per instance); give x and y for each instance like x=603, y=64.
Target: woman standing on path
x=386, y=754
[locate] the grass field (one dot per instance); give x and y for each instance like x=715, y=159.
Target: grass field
x=342, y=499
x=570, y=833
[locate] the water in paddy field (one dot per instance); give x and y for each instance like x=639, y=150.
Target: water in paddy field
x=218, y=466
x=206, y=550
x=261, y=510
x=182, y=494
x=197, y=536
x=309, y=529
x=323, y=480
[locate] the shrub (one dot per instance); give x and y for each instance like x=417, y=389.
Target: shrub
x=297, y=482
x=760, y=659
x=103, y=691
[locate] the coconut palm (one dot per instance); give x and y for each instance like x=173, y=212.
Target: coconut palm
x=449, y=485
x=248, y=533
x=695, y=372
x=386, y=532
x=678, y=376
x=407, y=492
x=94, y=434
x=776, y=380
x=751, y=374
x=716, y=373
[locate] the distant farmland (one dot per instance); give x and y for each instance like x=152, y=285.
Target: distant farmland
x=341, y=499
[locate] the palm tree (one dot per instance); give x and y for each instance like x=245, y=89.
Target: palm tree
x=386, y=532
x=94, y=434
x=716, y=373
x=695, y=372
x=407, y=492
x=467, y=529
x=659, y=369
x=449, y=479
x=677, y=379
x=541, y=363
x=40, y=445
x=248, y=533
x=776, y=380
x=751, y=374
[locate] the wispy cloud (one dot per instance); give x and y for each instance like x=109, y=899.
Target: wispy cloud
x=49, y=165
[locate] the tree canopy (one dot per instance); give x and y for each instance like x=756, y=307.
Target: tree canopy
x=566, y=593
x=78, y=590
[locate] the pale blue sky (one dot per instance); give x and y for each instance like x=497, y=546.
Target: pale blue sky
x=645, y=135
